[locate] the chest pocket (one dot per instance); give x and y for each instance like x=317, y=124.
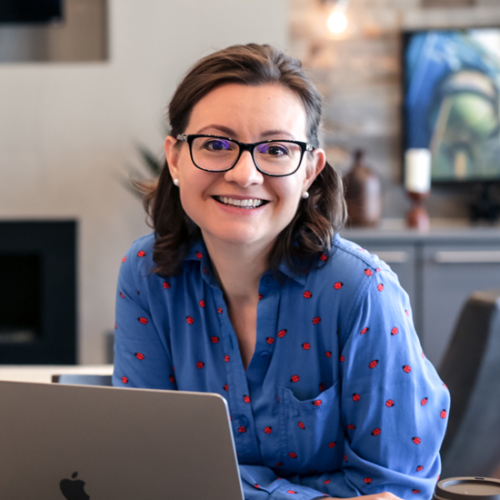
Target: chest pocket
x=311, y=431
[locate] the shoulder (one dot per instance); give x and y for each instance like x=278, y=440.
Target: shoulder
x=350, y=275
x=350, y=265
x=139, y=257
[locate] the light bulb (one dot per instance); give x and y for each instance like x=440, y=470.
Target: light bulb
x=337, y=22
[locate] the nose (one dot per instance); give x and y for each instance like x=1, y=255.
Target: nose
x=245, y=172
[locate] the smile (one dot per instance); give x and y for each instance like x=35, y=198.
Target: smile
x=249, y=203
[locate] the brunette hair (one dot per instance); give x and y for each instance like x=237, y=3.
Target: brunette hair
x=317, y=218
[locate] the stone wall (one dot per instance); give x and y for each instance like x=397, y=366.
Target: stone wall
x=359, y=74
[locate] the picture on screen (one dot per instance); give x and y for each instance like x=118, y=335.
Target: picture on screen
x=451, y=102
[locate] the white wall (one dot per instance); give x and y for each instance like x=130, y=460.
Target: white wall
x=68, y=131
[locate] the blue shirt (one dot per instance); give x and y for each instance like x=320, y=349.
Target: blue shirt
x=338, y=398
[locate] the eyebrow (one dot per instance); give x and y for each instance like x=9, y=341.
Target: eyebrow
x=232, y=134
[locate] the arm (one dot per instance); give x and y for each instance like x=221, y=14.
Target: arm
x=142, y=358
x=394, y=406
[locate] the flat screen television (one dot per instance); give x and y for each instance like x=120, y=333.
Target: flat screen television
x=30, y=11
x=452, y=101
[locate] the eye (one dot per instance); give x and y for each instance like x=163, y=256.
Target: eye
x=217, y=145
x=275, y=149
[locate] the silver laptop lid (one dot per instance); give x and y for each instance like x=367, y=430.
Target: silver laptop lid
x=124, y=444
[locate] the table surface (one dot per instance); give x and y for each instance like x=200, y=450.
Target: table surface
x=43, y=373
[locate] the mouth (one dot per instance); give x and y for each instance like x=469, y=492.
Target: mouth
x=249, y=203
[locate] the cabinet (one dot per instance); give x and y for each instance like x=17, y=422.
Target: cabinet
x=439, y=270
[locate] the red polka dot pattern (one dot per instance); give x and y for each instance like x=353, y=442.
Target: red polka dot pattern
x=304, y=372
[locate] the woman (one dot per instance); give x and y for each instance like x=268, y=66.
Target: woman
x=245, y=289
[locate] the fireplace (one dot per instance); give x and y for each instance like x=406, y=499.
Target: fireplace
x=38, y=292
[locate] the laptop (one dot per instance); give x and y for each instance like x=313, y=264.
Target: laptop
x=105, y=443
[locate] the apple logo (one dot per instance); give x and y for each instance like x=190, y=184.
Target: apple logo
x=73, y=490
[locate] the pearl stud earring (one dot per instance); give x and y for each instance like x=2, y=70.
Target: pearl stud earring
x=305, y=195
x=176, y=182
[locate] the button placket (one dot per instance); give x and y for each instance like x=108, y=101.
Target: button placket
x=243, y=422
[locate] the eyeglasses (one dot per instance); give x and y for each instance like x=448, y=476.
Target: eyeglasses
x=276, y=158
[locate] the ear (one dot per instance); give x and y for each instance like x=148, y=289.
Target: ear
x=172, y=156
x=314, y=166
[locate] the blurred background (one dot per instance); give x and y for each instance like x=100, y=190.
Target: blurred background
x=84, y=87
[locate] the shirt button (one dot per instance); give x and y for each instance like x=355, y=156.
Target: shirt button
x=265, y=355
x=267, y=280
x=244, y=421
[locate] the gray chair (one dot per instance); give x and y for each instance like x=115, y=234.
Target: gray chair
x=77, y=379
x=471, y=370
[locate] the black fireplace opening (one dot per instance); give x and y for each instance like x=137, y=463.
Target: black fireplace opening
x=38, y=292
x=20, y=299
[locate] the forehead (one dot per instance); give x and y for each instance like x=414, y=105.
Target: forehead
x=250, y=110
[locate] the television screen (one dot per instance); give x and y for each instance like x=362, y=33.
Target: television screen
x=451, y=101
x=30, y=11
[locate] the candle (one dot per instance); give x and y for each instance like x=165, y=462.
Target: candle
x=418, y=170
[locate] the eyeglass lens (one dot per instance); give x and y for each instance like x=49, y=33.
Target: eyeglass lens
x=275, y=158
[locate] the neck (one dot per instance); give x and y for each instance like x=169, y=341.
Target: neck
x=238, y=269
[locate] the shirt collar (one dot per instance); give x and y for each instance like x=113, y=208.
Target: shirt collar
x=199, y=253
x=299, y=278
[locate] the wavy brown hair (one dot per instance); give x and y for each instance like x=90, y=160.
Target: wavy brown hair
x=317, y=218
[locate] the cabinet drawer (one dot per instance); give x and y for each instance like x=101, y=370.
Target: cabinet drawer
x=450, y=274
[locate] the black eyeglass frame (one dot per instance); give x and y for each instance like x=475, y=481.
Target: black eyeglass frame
x=244, y=146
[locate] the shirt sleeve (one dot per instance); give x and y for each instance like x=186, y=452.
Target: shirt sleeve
x=142, y=358
x=261, y=483
x=394, y=405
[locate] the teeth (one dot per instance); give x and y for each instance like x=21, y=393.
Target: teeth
x=250, y=203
